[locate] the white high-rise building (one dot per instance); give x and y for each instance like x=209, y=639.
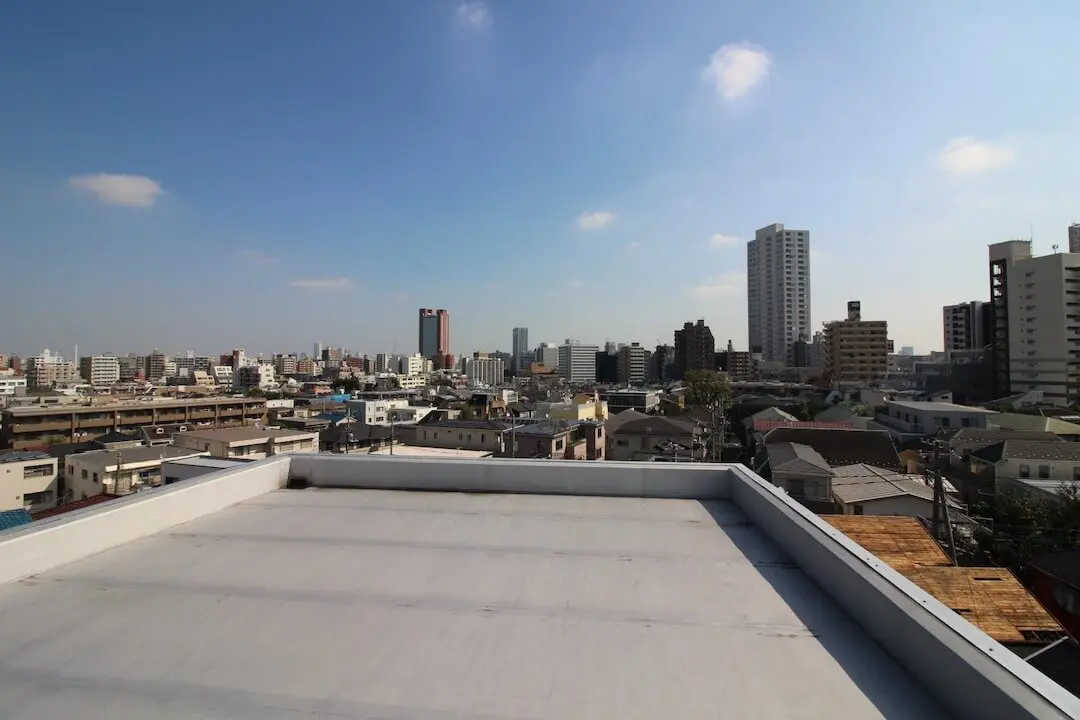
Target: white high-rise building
x=577, y=362
x=488, y=371
x=100, y=370
x=45, y=370
x=1035, y=322
x=778, y=290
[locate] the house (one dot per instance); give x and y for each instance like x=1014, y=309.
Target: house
x=905, y=419
x=119, y=472
x=1019, y=421
x=652, y=435
x=248, y=441
x=574, y=441
x=28, y=481
x=1039, y=468
x=1055, y=580
x=863, y=489
x=801, y=471
x=839, y=446
x=487, y=435
x=354, y=437
x=163, y=434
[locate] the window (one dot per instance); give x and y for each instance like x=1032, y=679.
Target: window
x=1044, y=472
x=859, y=510
x=84, y=474
x=559, y=444
x=1025, y=471
x=45, y=496
x=95, y=477
x=481, y=438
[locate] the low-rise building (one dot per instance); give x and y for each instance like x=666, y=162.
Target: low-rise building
x=118, y=472
x=28, y=481
x=250, y=442
x=11, y=385
x=926, y=418
x=655, y=436
x=1039, y=468
x=644, y=400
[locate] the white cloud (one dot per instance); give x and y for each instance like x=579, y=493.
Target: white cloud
x=968, y=156
x=726, y=285
x=474, y=15
x=130, y=190
x=257, y=257
x=595, y=220
x=734, y=70
x=721, y=240
x=322, y=284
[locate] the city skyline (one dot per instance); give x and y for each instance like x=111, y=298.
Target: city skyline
x=383, y=158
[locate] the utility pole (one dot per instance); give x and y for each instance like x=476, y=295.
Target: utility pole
x=941, y=520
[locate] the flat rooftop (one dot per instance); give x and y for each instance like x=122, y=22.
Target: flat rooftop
x=940, y=407
x=434, y=589
x=376, y=603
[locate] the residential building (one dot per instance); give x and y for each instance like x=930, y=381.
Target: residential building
x=484, y=371
x=248, y=442
x=520, y=346
x=285, y=365
x=695, y=348
x=28, y=481
x=548, y=356
x=249, y=377
x=375, y=412
x=656, y=437
x=807, y=354
x=577, y=362
x=11, y=385
x=437, y=578
x=305, y=366
x=412, y=365
x=118, y=472
x=223, y=377
x=633, y=364
x=1036, y=313
x=643, y=400
x=778, y=290
x=129, y=367
x=486, y=435
x=967, y=326
x=44, y=371
x=155, y=365
x=926, y=418
x=178, y=469
x=434, y=333
x=559, y=441
x=662, y=364
x=1039, y=468
x=100, y=370
x=856, y=350
x=36, y=426
x=191, y=362
x=863, y=489
x=348, y=438
x=737, y=365
x=1074, y=238
x=583, y=406
x=607, y=367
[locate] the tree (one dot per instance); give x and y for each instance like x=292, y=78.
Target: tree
x=1018, y=529
x=256, y=392
x=707, y=388
x=347, y=385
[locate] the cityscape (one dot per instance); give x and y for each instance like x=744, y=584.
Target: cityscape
x=491, y=360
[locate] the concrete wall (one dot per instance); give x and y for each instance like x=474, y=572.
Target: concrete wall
x=968, y=672
x=547, y=477
x=15, y=486
x=67, y=538
x=908, y=505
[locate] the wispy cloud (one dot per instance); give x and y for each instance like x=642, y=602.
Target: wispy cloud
x=595, y=220
x=721, y=240
x=726, y=285
x=968, y=156
x=736, y=69
x=129, y=190
x=258, y=257
x=337, y=284
x=474, y=14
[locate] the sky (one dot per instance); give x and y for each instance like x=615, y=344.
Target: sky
x=268, y=174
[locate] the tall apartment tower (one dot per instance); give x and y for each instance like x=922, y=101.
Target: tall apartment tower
x=778, y=290
x=1074, y=238
x=434, y=333
x=856, y=350
x=577, y=362
x=1036, y=322
x=967, y=326
x=633, y=364
x=695, y=348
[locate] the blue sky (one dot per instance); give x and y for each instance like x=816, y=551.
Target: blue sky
x=269, y=174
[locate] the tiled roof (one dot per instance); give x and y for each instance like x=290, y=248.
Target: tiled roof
x=857, y=492
x=767, y=425
x=793, y=457
x=1029, y=450
x=842, y=447
x=657, y=425
x=972, y=439
x=13, y=518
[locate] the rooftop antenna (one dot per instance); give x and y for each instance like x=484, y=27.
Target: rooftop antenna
x=1054, y=247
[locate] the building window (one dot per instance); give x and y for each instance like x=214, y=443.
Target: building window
x=859, y=510
x=559, y=444
x=45, y=496
x=84, y=474
x=1025, y=471
x=1044, y=472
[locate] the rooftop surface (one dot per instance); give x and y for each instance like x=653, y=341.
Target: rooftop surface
x=940, y=407
x=245, y=433
x=443, y=606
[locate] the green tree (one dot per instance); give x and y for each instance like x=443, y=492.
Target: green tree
x=707, y=388
x=256, y=392
x=1017, y=529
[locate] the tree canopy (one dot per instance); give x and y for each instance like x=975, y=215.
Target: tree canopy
x=1018, y=529
x=707, y=388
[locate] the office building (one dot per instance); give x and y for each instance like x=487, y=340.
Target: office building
x=482, y=369
x=856, y=350
x=548, y=355
x=434, y=334
x=44, y=371
x=967, y=326
x=577, y=362
x=520, y=346
x=633, y=364
x=100, y=370
x=778, y=290
x=469, y=604
x=607, y=367
x=695, y=348
x=1035, y=305
x=1074, y=238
